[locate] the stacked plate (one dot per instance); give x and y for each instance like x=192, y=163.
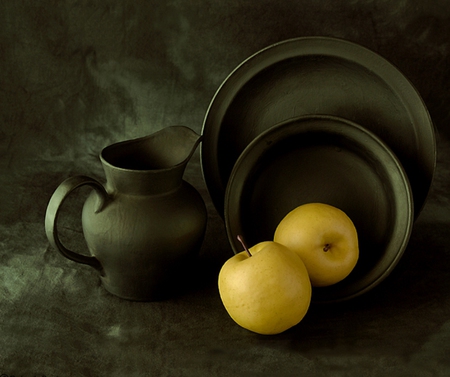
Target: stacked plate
x=321, y=120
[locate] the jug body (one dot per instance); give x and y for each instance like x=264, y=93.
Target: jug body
x=145, y=243
x=145, y=226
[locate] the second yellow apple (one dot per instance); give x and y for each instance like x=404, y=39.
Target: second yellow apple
x=324, y=237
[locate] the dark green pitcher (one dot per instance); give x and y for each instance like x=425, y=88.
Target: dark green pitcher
x=146, y=224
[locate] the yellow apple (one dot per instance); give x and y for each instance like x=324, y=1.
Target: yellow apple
x=324, y=237
x=265, y=289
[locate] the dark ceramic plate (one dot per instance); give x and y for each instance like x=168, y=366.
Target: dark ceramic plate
x=329, y=160
x=317, y=76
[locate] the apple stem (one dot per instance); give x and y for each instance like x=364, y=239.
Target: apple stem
x=243, y=244
x=327, y=247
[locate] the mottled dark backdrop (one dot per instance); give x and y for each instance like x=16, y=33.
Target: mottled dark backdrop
x=76, y=76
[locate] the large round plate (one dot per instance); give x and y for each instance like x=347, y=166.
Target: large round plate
x=328, y=160
x=317, y=75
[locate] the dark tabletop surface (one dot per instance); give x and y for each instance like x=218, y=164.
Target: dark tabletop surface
x=76, y=76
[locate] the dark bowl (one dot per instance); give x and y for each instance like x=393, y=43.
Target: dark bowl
x=330, y=160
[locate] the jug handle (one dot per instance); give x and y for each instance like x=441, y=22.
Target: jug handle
x=53, y=209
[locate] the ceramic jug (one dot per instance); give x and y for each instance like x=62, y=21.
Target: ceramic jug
x=146, y=224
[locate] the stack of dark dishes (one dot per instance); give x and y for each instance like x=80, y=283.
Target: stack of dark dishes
x=321, y=120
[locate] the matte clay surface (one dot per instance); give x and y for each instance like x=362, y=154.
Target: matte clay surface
x=76, y=76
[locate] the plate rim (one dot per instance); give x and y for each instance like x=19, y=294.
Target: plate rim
x=298, y=47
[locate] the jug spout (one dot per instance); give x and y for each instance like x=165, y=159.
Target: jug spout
x=151, y=164
x=175, y=145
x=164, y=149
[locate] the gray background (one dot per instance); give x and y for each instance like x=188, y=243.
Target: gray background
x=76, y=76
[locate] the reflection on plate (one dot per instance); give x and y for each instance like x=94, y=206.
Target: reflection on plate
x=317, y=75
x=329, y=160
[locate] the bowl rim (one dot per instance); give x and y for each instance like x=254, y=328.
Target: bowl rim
x=277, y=134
